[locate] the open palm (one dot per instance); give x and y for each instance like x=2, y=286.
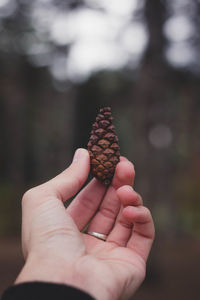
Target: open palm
x=56, y=237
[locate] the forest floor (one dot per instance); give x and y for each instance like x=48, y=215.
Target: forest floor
x=172, y=273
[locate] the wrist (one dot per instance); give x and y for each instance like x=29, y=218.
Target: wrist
x=41, y=269
x=38, y=268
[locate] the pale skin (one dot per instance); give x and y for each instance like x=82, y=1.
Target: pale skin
x=56, y=250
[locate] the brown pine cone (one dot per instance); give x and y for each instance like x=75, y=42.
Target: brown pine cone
x=103, y=147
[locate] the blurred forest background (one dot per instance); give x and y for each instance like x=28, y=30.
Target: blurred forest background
x=60, y=61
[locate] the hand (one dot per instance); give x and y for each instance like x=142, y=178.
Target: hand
x=57, y=251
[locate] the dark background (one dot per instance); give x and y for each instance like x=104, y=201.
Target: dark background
x=47, y=112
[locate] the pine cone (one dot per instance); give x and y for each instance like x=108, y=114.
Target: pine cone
x=103, y=147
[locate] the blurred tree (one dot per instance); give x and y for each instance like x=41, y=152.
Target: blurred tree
x=152, y=114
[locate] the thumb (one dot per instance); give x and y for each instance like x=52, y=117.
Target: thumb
x=40, y=214
x=68, y=183
x=63, y=186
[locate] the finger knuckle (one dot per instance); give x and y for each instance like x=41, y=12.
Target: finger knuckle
x=28, y=195
x=132, y=169
x=142, y=274
x=147, y=212
x=140, y=200
x=149, y=219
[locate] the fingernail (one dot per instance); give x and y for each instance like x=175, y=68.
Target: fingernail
x=79, y=154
